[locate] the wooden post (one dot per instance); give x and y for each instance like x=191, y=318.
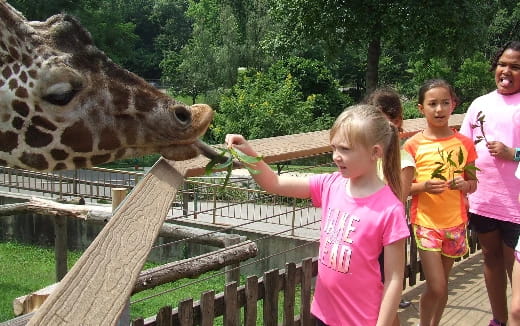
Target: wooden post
x=118, y=195
x=96, y=289
x=60, y=246
x=232, y=271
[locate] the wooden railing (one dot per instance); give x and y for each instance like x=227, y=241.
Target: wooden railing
x=292, y=281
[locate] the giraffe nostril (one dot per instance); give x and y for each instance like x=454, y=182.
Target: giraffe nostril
x=182, y=114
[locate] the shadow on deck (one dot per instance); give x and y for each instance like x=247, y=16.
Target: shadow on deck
x=468, y=303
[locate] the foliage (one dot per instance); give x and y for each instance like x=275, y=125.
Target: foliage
x=274, y=103
x=473, y=80
x=480, y=124
x=447, y=166
x=227, y=155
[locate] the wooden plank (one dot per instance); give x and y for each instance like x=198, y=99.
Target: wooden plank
x=231, y=312
x=271, y=297
x=289, y=147
x=207, y=308
x=289, y=294
x=251, y=297
x=164, y=316
x=305, y=309
x=186, y=312
x=96, y=289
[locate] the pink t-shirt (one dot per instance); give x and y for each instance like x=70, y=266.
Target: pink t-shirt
x=497, y=190
x=353, y=233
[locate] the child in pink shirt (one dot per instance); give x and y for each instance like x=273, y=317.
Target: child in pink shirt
x=361, y=217
x=494, y=208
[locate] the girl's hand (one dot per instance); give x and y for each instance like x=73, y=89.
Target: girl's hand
x=434, y=186
x=499, y=150
x=458, y=183
x=238, y=141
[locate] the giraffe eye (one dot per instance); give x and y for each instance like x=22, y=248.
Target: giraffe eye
x=60, y=94
x=60, y=98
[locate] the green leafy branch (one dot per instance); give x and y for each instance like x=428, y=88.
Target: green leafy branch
x=480, y=124
x=225, y=161
x=452, y=167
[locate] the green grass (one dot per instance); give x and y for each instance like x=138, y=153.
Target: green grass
x=26, y=268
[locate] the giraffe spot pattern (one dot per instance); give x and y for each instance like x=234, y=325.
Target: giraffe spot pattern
x=43, y=122
x=36, y=161
x=37, y=138
x=108, y=140
x=7, y=72
x=99, y=159
x=13, y=83
x=78, y=137
x=17, y=123
x=21, y=92
x=20, y=107
x=143, y=102
x=60, y=166
x=23, y=77
x=9, y=141
x=59, y=154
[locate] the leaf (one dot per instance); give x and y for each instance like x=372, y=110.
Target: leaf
x=461, y=156
x=244, y=157
x=228, y=175
x=224, y=165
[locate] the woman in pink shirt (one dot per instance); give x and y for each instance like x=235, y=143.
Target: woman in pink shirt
x=494, y=208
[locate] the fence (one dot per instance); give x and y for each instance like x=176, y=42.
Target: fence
x=204, y=200
x=294, y=280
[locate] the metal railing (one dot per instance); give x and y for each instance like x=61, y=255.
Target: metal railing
x=202, y=198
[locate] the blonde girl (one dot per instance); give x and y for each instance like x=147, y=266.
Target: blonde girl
x=361, y=217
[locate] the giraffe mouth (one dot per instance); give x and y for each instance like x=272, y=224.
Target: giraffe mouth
x=181, y=152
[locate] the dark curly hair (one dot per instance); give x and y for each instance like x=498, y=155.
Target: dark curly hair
x=513, y=45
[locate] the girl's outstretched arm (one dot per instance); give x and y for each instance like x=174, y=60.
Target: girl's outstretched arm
x=283, y=185
x=394, y=273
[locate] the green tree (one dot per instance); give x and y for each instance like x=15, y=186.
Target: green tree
x=427, y=28
x=278, y=102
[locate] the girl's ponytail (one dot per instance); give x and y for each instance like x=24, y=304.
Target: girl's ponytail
x=392, y=163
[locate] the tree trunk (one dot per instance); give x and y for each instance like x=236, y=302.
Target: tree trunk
x=373, y=55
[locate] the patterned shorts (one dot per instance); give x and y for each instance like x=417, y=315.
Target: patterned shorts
x=451, y=242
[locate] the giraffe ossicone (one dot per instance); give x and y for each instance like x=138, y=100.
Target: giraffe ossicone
x=65, y=105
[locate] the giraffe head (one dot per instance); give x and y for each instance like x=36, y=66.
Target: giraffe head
x=65, y=105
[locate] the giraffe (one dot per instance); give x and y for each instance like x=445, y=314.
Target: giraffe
x=65, y=105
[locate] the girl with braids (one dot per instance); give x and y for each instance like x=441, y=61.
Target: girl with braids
x=494, y=208
x=361, y=216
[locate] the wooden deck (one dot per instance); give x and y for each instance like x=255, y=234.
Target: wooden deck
x=468, y=304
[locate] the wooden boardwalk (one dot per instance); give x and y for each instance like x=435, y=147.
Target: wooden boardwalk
x=468, y=304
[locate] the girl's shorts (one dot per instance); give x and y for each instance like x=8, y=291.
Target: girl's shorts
x=451, y=242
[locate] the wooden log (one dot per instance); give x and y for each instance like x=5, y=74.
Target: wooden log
x=27, y=303
x=95, y=290
x=195, y=266
x=100, y=215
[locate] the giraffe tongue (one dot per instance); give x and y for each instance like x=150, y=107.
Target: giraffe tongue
x=212, y=154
